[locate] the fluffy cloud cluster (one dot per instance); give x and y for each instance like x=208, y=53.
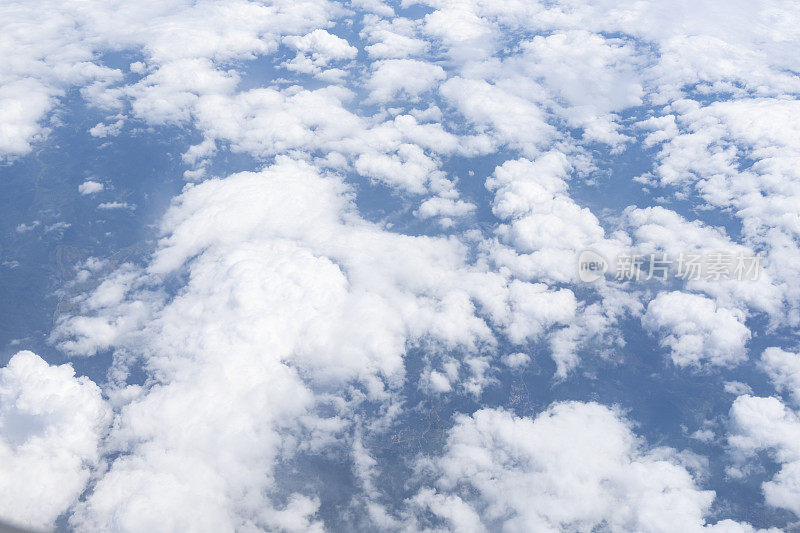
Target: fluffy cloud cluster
x=51, y=427
x=545, y=226
x=768, y=424
x=750, y=170
x=656, y=230
x=274, y=318
x=695, y=330
x=54, y=47
x=316, y=50
x=575, y=467
x=286, y=281
x=783, y=369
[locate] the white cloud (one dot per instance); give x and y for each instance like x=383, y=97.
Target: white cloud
x=409, y=77
x=102, y=130
x=596, y=326
x=544, y=225
x=543, y=232
x=657, y=230
x=783, y=369
x=57, y=226
x=738, y=388
x=512, y=120
x=464, y=34
x=306, y=296
x=266, y=121
x=564, y=64
x=51, y=427
x=24, y=228
x=706, y=151
x=90, y=187
x=409, y=168
x=534, y=309
x=767, y=424
x=323, y=46
x=444, y=207
x=378, y=7
x=395, y=38
x=576, y=466
x=22, y=105
x=108, y=206
x=179, y=36
x=286, y=280
x=316, y=50
x=696, y=331
x=516, y=360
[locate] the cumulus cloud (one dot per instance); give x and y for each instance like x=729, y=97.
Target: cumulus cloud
x=783, y=369
x=555, y=70
x=24, y=228
x=657, y=230
x=272, y=311
x=511, y=120
x=109, y=206
x=51, y=427
x=704, y=149
x=575, y=466
x=544, y=225
x=516, y=360
x=177, y=35
x=22, y=106
x=766, y=424
x=543, y=232
x=446, y=208
x=696, y=331
x=102, y=130
x=323, y=46
x=316, y=50
x=307, y=296
x=410, y=77
x=90, y=187
x=396, y=38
